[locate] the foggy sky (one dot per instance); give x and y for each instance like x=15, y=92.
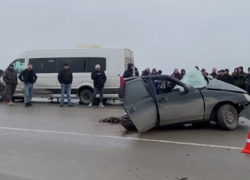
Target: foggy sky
x=163, y=34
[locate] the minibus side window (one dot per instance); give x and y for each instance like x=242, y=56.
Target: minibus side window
x=93, y=61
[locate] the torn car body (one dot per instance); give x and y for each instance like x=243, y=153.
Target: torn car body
x=163, y=100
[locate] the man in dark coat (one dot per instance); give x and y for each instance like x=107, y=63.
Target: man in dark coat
x=146, y=72
x=129, y=72
x=10, y=79
x=176, y=74
x=247, y=79
x=65, y=78
x=239, y=80
x=214, y=73
x=99, y=78
x=183, y=72
x=226, y=77
x=28, y=77
x=137, y=72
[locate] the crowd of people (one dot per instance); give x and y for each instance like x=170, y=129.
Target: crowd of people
x=238, y=78
x=65, y=77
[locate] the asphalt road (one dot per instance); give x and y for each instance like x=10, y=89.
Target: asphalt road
x=46, y=142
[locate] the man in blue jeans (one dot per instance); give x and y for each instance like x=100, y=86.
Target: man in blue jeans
x=65, y=78
x=28, y=77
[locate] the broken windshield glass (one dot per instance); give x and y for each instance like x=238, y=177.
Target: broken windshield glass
x=194, y=78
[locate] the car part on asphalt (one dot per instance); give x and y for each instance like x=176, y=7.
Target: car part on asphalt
x=112, y=120
x=127, y=123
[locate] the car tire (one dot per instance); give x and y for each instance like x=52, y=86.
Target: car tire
x=127, y=123
x=228, y=118
x=85, y=96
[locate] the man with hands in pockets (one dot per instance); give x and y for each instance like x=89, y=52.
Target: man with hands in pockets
x=99, y=78
x=65, y=78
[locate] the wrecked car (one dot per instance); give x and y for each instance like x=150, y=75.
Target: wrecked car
x=163, y=100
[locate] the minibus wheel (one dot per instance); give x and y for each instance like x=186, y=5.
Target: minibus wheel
x=85, y=96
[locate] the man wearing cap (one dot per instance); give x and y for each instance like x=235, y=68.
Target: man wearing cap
x=65, y=78
x=10, y=79
x=99, y=78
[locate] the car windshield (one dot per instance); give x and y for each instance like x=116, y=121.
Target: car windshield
x=195, y=79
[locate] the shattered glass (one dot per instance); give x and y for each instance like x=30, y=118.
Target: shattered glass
x=193, y=78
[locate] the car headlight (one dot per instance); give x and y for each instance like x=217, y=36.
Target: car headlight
x=247, y=97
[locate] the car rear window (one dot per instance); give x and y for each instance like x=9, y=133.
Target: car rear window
x=135, y=92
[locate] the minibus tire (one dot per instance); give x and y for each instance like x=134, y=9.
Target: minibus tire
x=85, y=96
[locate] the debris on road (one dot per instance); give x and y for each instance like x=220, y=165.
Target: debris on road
x=112, y=120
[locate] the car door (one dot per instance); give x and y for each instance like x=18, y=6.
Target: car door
x=140, y=105
x=176, y=102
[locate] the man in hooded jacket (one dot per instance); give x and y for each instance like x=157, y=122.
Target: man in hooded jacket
x=10, y=79
x=129, y=72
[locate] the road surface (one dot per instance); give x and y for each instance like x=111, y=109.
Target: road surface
x=46, y=142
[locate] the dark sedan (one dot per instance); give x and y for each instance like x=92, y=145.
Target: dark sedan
x=163, y=100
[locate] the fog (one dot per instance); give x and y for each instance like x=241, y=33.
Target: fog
x=163, y=34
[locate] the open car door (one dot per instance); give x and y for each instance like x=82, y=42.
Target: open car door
x=139, y=105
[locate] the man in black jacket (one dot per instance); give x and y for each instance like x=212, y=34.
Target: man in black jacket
x=28, y=77
x=129, y=72
x=99, y=78
x=176, y=74
x=10, y=79
x=65, y=78
x=214, y=73
x=226, y=77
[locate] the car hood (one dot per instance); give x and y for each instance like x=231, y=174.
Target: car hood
x=215, y=84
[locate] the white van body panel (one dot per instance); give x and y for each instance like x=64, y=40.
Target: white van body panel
x=47, y=84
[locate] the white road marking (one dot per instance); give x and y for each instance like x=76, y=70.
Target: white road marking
x=97, y=109
x=119, y=137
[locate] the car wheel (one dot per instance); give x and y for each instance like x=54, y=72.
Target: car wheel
x=227, y=117
x=127, y=123
x=85, y=96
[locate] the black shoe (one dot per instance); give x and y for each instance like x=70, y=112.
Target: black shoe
x=61, y=106
x=26, y=105
x=71, y=105
x=30, y=104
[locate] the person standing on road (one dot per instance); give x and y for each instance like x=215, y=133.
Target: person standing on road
x=146, y=72
x=183, y=72
x=239, y=79
x=214, y=73
x=10, y=79
x=176, y=74
x=65, y=78
x=137, y=72
x=99, y=78
x=226, y=77
x=129, y=72
x=28, y=77
x=247, y=79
